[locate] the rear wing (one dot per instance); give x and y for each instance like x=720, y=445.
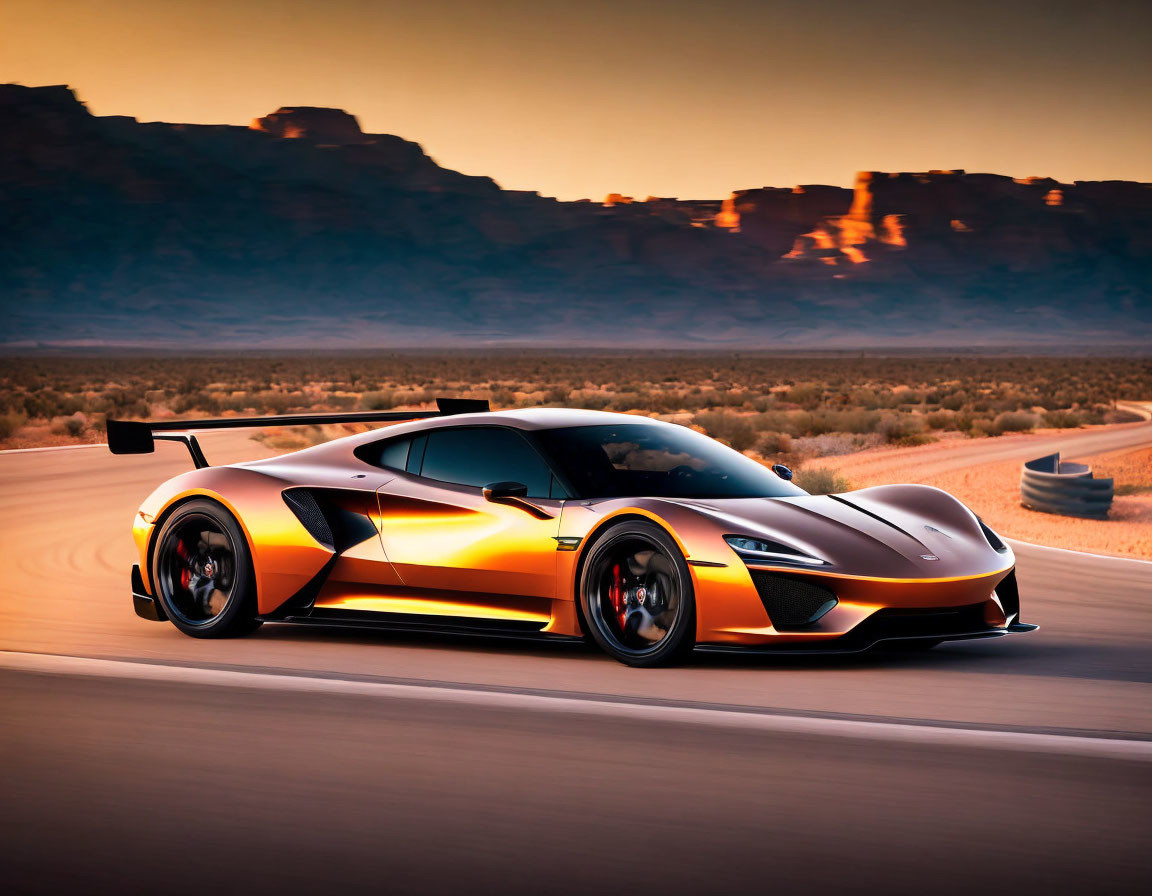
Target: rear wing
x=136, y=437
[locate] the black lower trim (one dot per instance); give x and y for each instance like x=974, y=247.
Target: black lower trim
x=895, y=625
x=146, y=606
x=439, y=625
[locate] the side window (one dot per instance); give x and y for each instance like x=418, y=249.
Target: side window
x=394, y=455
x=477, y=456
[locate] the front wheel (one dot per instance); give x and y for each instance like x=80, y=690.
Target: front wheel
x=202, y=572
x=636, y=594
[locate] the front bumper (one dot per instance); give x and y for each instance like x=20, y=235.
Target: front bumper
x=145, y=605
x=894, y=627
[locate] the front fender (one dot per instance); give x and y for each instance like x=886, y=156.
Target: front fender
x=725, y=595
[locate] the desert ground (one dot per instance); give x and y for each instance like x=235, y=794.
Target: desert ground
x=842, y=421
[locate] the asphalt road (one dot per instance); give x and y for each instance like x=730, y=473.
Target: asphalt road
x=974, y=765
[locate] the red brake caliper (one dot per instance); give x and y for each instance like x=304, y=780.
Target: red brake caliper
x=185, y=573
x=616, y=594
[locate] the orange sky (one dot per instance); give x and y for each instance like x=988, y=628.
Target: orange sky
x=688, y=99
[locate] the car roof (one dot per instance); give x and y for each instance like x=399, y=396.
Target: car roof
x=523, y=419
x=540, y=418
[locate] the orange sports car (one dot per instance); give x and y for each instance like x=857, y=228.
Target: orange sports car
x=646, y=536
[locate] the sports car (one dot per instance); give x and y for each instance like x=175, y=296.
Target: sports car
x=646, y=536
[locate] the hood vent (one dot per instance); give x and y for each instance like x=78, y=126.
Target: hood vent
x=874, y=516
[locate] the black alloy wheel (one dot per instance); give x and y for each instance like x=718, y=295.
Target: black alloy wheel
x=636, y=595
x=202, y=572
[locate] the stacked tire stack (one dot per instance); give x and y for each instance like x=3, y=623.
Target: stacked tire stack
x=1049, y=486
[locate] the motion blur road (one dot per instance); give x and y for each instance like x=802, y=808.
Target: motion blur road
x=306, y=759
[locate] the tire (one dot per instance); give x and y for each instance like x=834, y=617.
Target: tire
x=636, y=596
x=202, y=572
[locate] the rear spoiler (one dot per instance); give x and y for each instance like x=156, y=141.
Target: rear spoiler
x=135, y=437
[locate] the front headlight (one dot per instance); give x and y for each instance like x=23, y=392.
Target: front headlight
x=753, y=550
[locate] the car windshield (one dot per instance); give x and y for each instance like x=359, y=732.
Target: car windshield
x=659, y=461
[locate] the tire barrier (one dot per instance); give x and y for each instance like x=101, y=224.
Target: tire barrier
x=1068, y=489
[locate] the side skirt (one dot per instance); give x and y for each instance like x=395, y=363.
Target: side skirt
x=409, y=622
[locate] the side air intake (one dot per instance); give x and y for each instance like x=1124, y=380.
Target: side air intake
x=792, y=602
x=303, y=503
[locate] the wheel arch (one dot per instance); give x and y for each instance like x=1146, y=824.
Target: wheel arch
x=175, y=504
x=595, y=534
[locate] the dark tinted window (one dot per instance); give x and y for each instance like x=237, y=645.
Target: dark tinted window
x=395, y=454
x=635, y=460
x=478, y=456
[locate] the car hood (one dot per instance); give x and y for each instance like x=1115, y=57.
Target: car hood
x=886, y=532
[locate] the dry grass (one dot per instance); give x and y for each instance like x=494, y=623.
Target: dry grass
x=786, y=407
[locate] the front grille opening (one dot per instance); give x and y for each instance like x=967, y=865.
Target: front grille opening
x=926, y=622
x=792, y=602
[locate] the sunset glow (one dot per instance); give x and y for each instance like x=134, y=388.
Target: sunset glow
x=579, y=100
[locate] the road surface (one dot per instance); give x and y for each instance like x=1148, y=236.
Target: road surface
x=305, y=759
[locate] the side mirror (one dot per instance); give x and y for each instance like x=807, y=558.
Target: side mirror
x=782, y=471
x=501, y=491
x=516, y=494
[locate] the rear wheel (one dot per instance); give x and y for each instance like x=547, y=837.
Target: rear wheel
x=636, y=594
x=202, y=572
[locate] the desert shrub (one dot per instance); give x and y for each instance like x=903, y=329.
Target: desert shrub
x=963, y=422
x=75, y=425
x=631, y=401
x=816, y=423
x=1014, y=421
x=9, y=424
x=772, y=442
x=504, y=398
x=982, y=426
x=896, y=430
x=954, y=402
x=819, y=481
x=940, y=420
x=807, y=395
x=733, y=429
x=1062, y=419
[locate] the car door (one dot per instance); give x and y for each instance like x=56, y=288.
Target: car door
x=449, y=543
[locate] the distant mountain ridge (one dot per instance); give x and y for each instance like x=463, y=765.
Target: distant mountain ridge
x=302, y=230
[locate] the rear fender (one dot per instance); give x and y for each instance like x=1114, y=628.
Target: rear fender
x=284, y=556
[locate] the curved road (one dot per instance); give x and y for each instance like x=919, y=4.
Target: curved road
x=303, y=759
